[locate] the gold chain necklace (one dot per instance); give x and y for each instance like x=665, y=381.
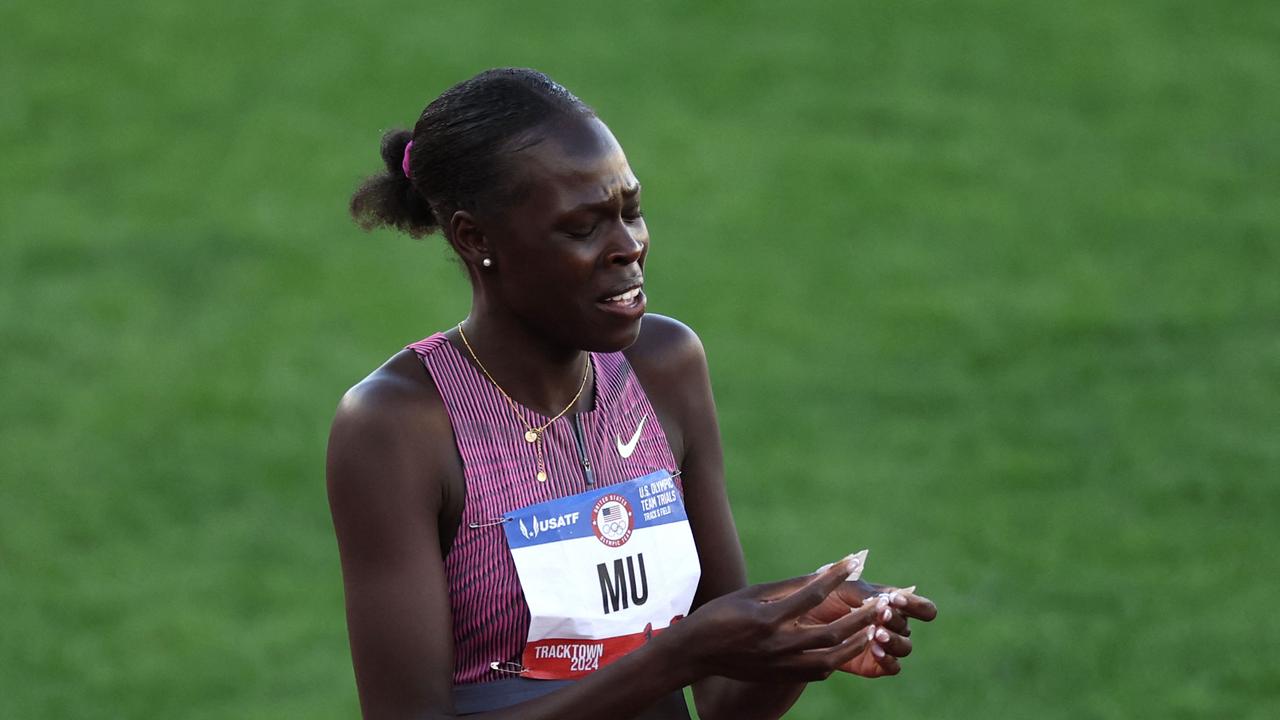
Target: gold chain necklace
x=532, y=434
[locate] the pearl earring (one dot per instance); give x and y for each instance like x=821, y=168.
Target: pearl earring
x=486, y=262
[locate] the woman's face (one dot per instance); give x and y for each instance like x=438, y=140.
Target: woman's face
x=569, y=254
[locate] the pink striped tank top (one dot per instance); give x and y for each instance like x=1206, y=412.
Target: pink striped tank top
x=617, y=440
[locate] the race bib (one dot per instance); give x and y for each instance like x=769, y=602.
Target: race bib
x=602, y=571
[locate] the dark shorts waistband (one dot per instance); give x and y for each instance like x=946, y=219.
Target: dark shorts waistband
x=483, y=697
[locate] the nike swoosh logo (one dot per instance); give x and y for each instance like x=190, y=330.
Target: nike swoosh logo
x=630, y=447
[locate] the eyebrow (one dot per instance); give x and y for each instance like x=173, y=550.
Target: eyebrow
x=626, y=193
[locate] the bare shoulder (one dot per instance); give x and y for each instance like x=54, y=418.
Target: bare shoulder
x=667, y=351
x=389, y=435
x=671, y=365
x=397, y=393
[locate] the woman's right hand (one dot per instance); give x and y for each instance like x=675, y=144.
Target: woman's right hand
x=759, y=632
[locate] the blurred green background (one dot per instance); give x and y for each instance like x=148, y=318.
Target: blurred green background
x=992, y=288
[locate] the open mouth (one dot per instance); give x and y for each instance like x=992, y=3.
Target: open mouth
x=628, y=304
x=624, y=298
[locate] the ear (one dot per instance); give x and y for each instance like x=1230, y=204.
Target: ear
x=469, y=238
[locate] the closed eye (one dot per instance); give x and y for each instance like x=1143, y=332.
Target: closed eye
x=581, y=233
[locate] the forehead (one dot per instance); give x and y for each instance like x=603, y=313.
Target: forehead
x=574, y=163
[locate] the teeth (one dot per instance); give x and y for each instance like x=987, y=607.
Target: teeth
x=626, y=296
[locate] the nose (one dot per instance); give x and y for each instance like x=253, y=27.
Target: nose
x=629, y=245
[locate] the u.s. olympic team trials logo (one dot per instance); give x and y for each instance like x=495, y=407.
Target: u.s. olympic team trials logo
x=611, y=520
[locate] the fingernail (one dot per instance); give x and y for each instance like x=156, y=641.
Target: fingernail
x=886, y=615
x=871, y=634
x=882, y=635
x=856, y=562
x=882, y=602
x=911, y=590
x=898, y=599
x=877, y=651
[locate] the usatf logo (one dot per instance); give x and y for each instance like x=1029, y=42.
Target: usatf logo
x=552, y=523
x=611, y=520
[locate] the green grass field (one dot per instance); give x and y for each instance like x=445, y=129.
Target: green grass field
x=992, y=288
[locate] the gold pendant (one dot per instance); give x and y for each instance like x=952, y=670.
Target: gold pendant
x=542, y=476
x=531, y=436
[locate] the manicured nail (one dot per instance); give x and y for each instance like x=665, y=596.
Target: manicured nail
x=858, y=560
x=871, y=634
x=877, y=651
x=886, y=615
x=882, y=602
x=911, y=590
x=898, y=599
x=882, y=635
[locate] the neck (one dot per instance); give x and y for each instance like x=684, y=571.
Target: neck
x=535, y=371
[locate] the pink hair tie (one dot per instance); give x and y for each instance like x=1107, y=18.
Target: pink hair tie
x=404, y=164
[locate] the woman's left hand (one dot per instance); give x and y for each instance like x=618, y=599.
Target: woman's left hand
x=893, y=636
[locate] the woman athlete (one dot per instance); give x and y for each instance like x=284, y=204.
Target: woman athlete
x=558, y=389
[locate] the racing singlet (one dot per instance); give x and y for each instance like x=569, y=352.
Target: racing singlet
x=633, y=566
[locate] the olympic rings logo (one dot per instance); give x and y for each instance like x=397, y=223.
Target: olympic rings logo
x=612, y=520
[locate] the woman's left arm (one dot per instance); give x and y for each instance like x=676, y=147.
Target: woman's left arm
x=672, y=365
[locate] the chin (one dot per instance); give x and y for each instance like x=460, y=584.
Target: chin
x=617, y=338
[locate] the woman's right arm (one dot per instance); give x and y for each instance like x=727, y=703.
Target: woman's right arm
x=385, y=493
x=390, y=450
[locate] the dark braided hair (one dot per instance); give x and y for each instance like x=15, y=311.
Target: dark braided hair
x=460, y=146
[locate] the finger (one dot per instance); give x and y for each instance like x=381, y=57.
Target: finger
x=918, y=607
x=834, y=633
x=853, y=593
x=892, y=643
x=886, y=613
x=844, y=653
x=816, y=665
x=898, y=623
x=811, y=593
x=889, y=664
x=779, y=589
x=910, y=604
x=820, y=664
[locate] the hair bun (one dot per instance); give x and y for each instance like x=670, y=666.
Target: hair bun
x=389, y=199
x=393, y=145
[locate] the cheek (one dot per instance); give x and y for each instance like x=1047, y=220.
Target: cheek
x=642, y=237
x=556, y=279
